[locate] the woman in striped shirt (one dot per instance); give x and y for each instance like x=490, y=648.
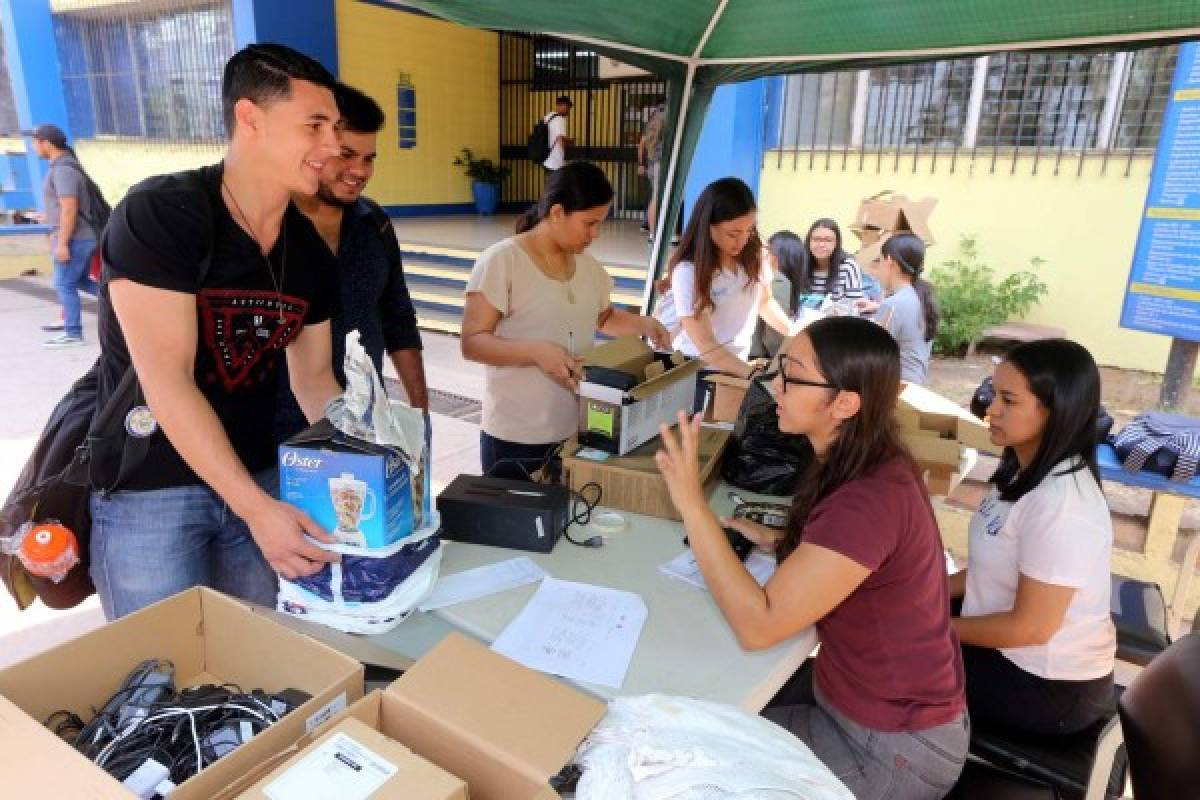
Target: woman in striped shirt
x=827, y=268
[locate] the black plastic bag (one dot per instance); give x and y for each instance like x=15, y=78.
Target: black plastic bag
x=760, y=458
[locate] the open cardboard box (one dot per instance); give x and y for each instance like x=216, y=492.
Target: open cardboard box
x=728, y=394
x=209, y=638
x=503, y=728
x=617, y=421
x=942, y=436
x=885, y=214
x=632, y=482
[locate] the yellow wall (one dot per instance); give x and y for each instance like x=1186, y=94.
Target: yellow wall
x=117, y=165
x=455, y=72
x=1085, y=227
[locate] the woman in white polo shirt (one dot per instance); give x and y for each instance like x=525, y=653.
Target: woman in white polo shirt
x=1038, y=642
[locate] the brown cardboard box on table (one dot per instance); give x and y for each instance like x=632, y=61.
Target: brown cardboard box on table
x=940, y=434
x=885, y=214
x=619, y=421
x=209, y=638
x=504, y=729
x=632, y=482
x=728, y=394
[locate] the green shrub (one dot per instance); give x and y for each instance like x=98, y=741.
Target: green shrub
x=972, y=300
x=483, y=170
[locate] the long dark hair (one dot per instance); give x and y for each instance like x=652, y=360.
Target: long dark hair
x=788, y=249
x=721, y=201
x=836, y=258
x=1064, y=378
x=908, y=251
x=577, y=186
x=858, y=356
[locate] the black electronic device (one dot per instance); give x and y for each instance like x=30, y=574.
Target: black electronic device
x=521, y=515
x=740, y=544
x=606, y=376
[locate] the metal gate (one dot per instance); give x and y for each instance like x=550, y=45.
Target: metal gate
x=605, y=122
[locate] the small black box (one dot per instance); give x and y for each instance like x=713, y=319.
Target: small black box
x=521, y=515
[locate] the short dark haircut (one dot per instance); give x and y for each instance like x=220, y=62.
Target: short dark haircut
x=262, y=73
x=563, y=100
x=360, y=113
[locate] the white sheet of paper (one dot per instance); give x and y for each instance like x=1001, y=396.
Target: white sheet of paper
x=471, y=584
x=575, y=630
x=684, y=567
x=340, y=769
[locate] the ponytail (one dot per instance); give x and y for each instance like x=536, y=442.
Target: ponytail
x=529, y=220
x=908, y=251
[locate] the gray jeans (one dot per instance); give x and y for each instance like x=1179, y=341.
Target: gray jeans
x=916, y=765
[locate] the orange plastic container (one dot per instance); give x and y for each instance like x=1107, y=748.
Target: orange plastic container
x=49, y=551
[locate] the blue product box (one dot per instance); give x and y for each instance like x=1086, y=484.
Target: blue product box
x=363, y=494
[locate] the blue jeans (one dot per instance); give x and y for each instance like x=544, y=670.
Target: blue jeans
x=70, y=277
x=149, y=545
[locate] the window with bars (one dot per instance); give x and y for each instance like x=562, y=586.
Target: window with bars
x=558, y=64
x=1014, y=103
x=145, y=73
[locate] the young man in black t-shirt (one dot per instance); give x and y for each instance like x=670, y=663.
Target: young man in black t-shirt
x=210, y=275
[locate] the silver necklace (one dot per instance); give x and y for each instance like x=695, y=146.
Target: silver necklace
x=277, y=284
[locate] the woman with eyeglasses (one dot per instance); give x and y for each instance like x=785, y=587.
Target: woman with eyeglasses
x=909, y=311
x=860, y=558
x=718, y=281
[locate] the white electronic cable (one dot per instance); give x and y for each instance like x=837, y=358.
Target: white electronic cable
x=608, y=522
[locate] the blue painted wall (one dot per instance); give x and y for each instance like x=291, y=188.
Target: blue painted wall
x=731, y=142
x=32, y=57
x=312, y=31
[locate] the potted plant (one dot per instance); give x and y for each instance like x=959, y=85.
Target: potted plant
x=486, y=177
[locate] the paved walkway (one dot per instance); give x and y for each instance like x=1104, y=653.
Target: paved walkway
x=33, y=379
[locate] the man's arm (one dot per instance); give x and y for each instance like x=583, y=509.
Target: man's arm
x=68, y=216
x=410, y=366
x=310, y=369
x=160, y=332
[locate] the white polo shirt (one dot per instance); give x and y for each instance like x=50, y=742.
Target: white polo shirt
x=1060, y=533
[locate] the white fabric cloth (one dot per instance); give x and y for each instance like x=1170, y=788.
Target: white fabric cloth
x=657, y=747
x=1058, y=533
x=556, y=126
x=735, y=307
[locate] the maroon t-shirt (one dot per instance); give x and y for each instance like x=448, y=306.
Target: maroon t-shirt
x=889, y=659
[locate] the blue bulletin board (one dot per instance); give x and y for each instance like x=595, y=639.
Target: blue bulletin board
x=1163, y=294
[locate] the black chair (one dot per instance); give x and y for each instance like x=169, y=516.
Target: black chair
x=1139, y=613
x=983, y=781
x=1160, y=714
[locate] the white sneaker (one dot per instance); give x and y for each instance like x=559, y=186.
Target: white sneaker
x=63, y=340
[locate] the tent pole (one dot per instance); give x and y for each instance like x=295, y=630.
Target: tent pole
x=658, y=248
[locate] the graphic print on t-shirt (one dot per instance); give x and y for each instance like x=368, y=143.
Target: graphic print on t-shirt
x=240, y=326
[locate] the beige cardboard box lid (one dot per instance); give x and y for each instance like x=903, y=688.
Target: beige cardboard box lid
x=502, y=727
x=943, y=415
x=630, y=354
x=414, y=779
x=210, y=638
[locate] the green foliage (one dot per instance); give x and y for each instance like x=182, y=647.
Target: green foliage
x=972, y=300
x=483, y=170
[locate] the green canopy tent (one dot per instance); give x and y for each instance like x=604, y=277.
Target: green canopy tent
x=697, y=45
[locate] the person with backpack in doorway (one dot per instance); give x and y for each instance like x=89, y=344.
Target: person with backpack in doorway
x=211, y=277
x=372, y=295
x=557, y=140
x=76, y=213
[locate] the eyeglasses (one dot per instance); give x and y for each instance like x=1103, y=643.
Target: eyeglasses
x=778, y=371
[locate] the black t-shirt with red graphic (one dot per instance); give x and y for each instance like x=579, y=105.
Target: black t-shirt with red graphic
x=159, y=235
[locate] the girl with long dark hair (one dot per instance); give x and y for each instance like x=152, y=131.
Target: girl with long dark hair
x=785, y=255
x=861, y=558
x=1038, y=641
x=534, y=303
x=909, y=311
x=718, y=284
x=827, y=268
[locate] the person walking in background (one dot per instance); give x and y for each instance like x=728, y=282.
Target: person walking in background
x=74, y=227
x=650, y=147
x=557, y=139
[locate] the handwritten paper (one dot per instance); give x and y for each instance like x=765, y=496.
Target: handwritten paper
x=472, y=584
x=684, y=567
x=575, y=630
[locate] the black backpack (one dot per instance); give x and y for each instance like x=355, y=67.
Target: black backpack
x=83, y=447
x=98, y=208
x=538, y=147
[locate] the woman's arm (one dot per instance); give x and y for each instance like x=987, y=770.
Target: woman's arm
x=1036, y=615
x=958, y=584
x=810, y=582
x=480, y=343
x=716, y=354
x=619, y=322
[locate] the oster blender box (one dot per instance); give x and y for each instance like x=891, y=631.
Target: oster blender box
x=362, y=493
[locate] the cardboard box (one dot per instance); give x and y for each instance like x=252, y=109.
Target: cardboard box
x=617, y=421
x=728, y=394
x=356, y=753
x=503, y=728
x=885, y=214
x=632, y=482
x=209, y=638
x=922, y=409
x=363, y=493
